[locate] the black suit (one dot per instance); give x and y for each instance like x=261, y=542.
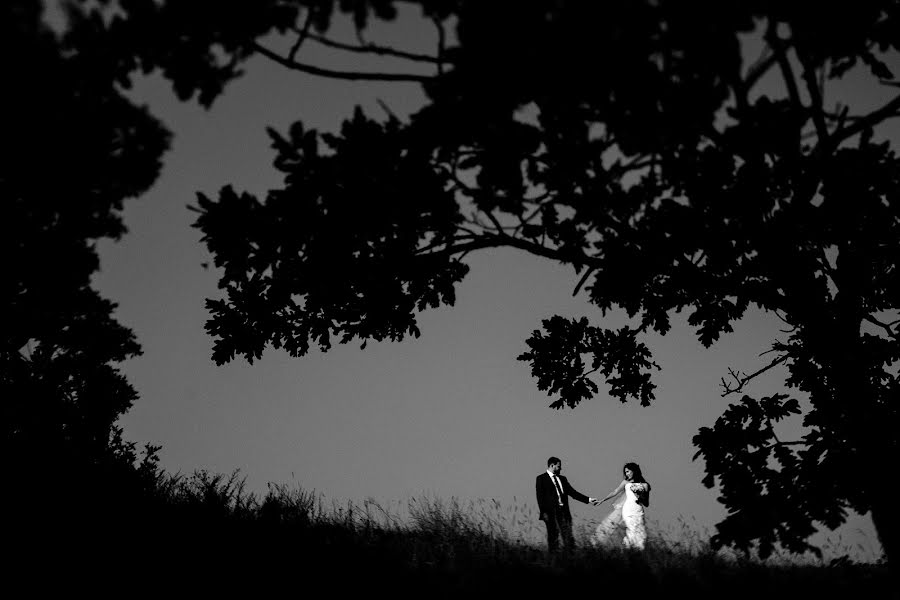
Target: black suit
x=556, y=516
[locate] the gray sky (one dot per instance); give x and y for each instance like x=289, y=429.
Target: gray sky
x=452, y=414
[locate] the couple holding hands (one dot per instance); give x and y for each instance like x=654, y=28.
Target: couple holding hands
x=554, y=490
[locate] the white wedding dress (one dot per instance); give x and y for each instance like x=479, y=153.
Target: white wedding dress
x=633, y=515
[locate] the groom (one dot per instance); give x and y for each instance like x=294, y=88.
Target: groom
x=553, y=491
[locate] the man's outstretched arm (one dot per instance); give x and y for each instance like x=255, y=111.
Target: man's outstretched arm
x=576, y=494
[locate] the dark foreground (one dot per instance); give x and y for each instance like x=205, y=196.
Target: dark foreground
x=204, y=536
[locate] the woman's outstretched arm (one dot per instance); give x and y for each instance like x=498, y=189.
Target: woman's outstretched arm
x=613, y=493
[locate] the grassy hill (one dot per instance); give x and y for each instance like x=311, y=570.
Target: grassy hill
x=206, y=533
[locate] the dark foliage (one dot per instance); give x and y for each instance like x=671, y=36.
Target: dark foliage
x=631, y=140
x=74, y=148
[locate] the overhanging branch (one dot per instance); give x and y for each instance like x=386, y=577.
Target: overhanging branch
x=330, y=73
x=374, y=49
x=741, y=379
x=492, y=240
x=792, y=443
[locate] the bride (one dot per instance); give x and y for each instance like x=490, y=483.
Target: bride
x=628, y=509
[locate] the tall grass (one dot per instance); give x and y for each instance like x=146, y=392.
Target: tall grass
x=207, y=526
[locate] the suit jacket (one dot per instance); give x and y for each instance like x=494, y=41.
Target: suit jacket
x=547, y=499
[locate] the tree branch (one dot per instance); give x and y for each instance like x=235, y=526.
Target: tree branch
x=425, y=250
x=882, y=325
x=485, y=241
x=551, y=253
x=347, y=75
x=787, y=72
x=815, y=95
x=497, y=225
x=472, y=232
x=887, y=111
x=581, y=281
x=636, y=164
x=741, y=380
x=491, y=240
x=301, y=37
x=760, y=67
x=527, y=218
x=586, y=374
x=826, y=265
x=441, y=45
x=792, y=443
x=374, y=49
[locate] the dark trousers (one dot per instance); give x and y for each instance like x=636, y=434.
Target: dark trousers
x=559, y=524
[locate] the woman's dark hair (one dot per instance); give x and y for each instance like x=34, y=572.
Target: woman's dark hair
x=636, y=475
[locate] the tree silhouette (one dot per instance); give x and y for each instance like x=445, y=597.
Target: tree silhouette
x=74, y=148
x=631, y=140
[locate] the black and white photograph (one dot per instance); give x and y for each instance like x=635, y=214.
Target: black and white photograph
x=450, y=298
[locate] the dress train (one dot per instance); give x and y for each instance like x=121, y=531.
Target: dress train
x=609, y=530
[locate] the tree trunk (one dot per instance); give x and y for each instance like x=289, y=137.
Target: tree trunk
x=856, y=402
x=884, y=516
